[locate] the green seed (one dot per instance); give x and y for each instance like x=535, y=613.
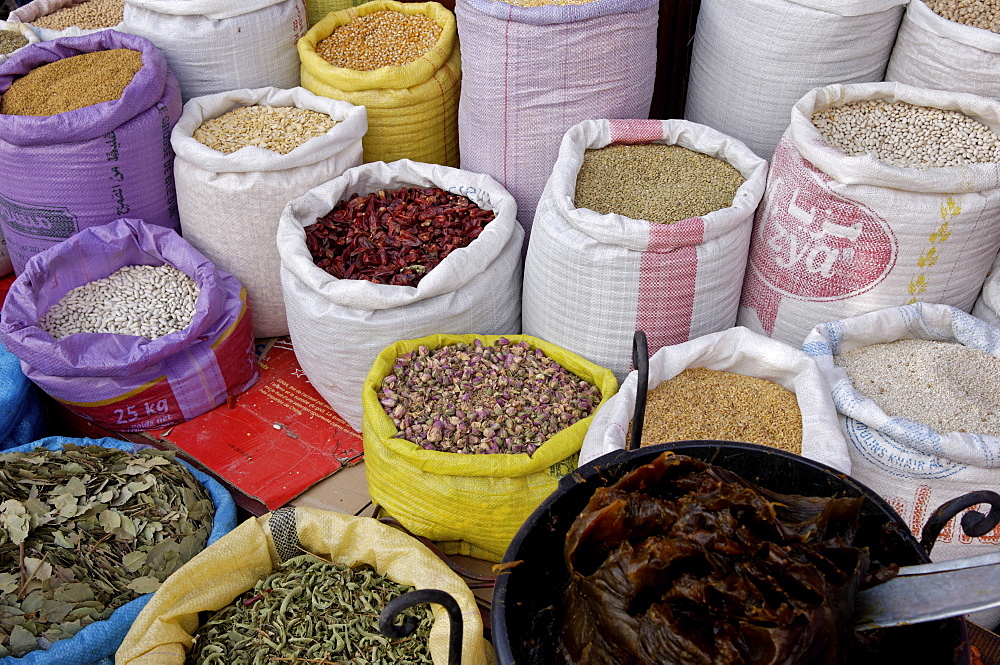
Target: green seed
x=659, y=183
x=10, y=41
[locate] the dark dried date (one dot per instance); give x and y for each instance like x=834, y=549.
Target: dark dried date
x=395, y=236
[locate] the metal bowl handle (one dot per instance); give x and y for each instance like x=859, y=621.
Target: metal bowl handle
x=387, y=619
x=974, y=523
x=640, y=360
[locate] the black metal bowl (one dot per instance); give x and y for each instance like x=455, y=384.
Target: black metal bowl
x=526, y=598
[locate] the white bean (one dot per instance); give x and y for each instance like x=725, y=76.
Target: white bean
x=146, y=301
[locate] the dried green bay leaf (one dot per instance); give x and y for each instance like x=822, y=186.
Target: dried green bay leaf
x=21, y=641
x=86, y=529
x=144, y=584
x=133, y=561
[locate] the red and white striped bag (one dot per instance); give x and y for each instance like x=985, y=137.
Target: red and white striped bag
x=838, y=236
x=590, y=280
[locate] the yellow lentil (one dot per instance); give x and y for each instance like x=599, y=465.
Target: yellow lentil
x=702, y=403
x=380, y=39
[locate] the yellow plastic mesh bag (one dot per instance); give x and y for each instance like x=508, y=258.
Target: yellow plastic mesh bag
x=413, y=109
x=469, y=504
x=318, y=9
x=233, y=564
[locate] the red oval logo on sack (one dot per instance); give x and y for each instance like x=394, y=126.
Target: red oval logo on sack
x=811, y=244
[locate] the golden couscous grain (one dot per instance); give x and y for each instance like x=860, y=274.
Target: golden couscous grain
x=72, y=83
x=701, y=403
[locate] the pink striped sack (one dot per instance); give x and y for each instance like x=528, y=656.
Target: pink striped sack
x=531, y=73
x=590, y=280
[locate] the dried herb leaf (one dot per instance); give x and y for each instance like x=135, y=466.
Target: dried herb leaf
x=144, y=584
x=86, y=529
x=312, y=611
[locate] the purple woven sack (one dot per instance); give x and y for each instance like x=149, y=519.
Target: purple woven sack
x=62, y=173
x=126, y=382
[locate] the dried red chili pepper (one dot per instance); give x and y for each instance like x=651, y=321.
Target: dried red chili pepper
x=395, y=236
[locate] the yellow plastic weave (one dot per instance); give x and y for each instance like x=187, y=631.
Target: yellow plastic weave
x=233, y=564
x=413, y=109
x=318, y=9
x=469, y=504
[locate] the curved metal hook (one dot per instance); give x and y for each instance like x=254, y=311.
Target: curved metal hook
x=387, y=619
x=640, y=360
x=973, y=523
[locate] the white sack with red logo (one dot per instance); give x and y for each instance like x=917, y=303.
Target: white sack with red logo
x=591, y=280
x=987, y=306
x=839, y=236
x=753, y=59
x=913, y=467
x=934, y=52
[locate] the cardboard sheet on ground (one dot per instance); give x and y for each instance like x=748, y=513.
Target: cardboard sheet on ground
x=271, y=444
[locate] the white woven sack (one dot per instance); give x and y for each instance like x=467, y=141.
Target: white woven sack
x=218, y=45
x=753, y=59
x=987, y=306
x=913, y=467
x=230, y=204
x=933, y=52
x=531, y=73
x=339, y=326
x=21, y=28
x=591, y=280
x=744, y=352
x=838, y=236
x=39, y=8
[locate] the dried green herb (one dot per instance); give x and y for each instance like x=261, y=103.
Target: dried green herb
x=311, y=611
x=85, y=530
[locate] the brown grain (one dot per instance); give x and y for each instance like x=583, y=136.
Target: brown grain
x=72, y=83
x=702, y=403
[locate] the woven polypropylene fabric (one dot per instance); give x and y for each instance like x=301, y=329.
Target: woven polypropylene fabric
x=748, y=69
x=412, y=109
x=913, y=467
x=837, y=236
x=987, y=307
x=933, y=52
x=22, y=418
x=528, y=75
x=591, y=280
x=339, y=326
x=96, y=643
x=222, y=197
x=218, y=45
x=122, y=162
